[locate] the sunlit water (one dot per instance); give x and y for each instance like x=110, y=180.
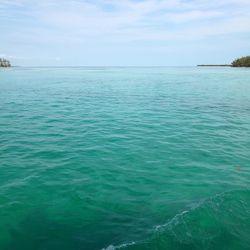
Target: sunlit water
x=124, y=158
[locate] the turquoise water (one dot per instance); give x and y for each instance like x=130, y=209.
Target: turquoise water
x=124, y=158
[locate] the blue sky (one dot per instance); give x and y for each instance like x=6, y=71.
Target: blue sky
x=124, y=32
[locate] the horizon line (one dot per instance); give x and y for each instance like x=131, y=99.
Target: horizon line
x=113, y=66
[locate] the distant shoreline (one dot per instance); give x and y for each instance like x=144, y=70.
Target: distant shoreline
x=240, y=62
x=214, y=65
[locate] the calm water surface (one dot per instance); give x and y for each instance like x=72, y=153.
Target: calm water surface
x=124, y=158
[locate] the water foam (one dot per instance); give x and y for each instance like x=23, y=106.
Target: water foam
x=111, y=247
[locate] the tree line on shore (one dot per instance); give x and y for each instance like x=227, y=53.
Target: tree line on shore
x=4, y=63
x=241, y=62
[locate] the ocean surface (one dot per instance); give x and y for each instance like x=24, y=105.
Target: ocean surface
x=124, y=158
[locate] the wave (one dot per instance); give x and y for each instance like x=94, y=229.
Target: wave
x=212, y=223
x=124, y=245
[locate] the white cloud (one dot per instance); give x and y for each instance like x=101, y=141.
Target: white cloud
x=113, y=17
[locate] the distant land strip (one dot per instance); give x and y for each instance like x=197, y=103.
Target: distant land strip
x=214, y=65
x=240, y=62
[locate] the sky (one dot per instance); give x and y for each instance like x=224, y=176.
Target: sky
x=123, y=32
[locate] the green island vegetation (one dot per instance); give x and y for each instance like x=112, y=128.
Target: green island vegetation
x=240, y=62
x=4, y=63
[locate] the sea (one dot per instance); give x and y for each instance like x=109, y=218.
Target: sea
x=133, y=158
